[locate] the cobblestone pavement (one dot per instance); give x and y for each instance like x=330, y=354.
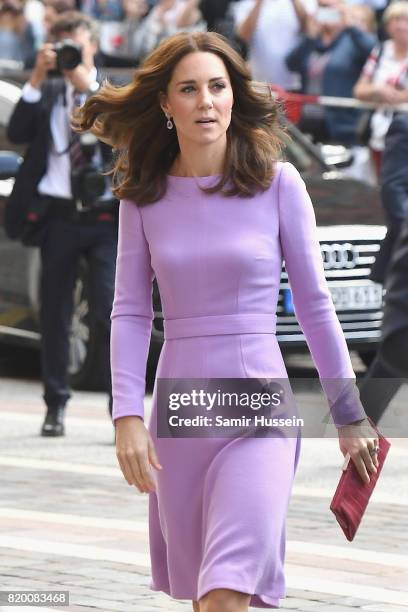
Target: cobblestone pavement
x=69, y=521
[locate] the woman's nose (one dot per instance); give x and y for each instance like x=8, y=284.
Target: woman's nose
x=205, y=99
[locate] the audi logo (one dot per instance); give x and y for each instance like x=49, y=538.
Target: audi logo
x=337, y=256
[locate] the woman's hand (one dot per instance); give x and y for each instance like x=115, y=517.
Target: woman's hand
x=313, y=28
x=135, y=451
x=359, y=441
x=386, y=94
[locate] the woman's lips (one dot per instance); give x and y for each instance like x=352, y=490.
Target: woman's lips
x=206, y=123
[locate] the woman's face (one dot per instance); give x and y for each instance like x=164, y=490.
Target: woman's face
x=397, y=29
x=200, y=90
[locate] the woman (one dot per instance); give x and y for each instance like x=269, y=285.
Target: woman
x=329, y=59
x=207, y=210
x=382, y=77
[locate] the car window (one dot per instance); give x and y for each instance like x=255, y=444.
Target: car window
x=302, y=153
x=297, y=155
x=7, y=103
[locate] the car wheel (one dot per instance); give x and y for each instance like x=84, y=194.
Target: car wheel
x=84, y=369
x=367, y=357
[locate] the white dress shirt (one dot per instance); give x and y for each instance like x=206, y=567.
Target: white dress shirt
x=56, y=181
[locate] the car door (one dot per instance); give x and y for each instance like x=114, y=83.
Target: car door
x=18, y=265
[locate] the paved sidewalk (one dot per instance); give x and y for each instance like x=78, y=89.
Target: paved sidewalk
x=69, y=521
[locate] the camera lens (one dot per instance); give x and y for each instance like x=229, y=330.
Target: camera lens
x=69, y=55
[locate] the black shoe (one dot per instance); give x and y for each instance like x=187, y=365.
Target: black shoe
x=53, y=425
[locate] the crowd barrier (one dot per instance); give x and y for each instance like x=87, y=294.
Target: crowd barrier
x=293, y=103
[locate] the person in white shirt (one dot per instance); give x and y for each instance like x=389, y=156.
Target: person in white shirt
x=47, y=208
x=271, y=28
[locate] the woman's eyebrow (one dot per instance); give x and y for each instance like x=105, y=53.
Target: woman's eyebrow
x=193, y=81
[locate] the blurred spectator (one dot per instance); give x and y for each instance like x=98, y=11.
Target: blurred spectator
x=166, y=18
x=219, y=17
x=103, y=10
x=17, y=40
x=120, y=41
x=329, y=58
x=127, y=42
x=213, y=12
x=383, y=75
x=271, y=28
x=378, y=6
x=34, y=13
x=52, y=9
x=54, y=207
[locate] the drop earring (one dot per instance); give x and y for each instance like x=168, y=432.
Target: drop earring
x=169, y=122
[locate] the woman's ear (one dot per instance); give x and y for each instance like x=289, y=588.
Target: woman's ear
x=163, y=103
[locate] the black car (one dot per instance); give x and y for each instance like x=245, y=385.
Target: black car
x=350, y=224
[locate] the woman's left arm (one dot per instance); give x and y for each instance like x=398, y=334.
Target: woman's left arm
x=317, y=317
x=364, y=42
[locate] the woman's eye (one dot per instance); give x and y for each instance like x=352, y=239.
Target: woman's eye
x=190, y=88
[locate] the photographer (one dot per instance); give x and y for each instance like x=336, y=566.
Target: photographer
x=62, y=203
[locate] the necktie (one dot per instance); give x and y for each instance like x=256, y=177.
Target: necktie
x=77, y=156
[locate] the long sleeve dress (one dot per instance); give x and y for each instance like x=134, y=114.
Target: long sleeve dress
x=217, y=516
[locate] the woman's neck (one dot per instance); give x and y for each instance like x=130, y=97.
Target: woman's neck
x=329, y=34
x=400, y=50
x=200, y=161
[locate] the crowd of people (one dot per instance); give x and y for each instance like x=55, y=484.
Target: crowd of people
x=323, y=47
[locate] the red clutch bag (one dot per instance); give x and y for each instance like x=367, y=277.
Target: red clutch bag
x=352, y=494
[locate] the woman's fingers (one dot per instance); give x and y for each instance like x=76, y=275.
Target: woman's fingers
x=135, y=451
x=361, y=467
x=153, y=458
x=137, y=468
x=373, y=448
x=133, y=464
x=146, y=474
x=127, y=473
x=368, y=459
x=130, y=468
x=365, y=462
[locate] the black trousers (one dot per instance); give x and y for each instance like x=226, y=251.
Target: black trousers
x=65, y=242
x=385, y=375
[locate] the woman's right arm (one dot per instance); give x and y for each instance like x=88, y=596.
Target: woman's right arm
x=132, y=315
x=367, y=91
x=296, y=60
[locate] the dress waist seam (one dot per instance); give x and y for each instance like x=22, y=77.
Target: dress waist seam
x=212, y=325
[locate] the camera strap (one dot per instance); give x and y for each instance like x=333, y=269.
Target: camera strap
x=73, y=137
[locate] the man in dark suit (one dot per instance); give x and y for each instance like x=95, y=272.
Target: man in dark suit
x=393, y=191
x=390, y=366
x=48, y=208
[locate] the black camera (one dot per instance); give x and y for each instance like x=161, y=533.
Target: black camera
x=89, y=185
x=69, y=56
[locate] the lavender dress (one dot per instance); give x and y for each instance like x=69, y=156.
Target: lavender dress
x=217, y=517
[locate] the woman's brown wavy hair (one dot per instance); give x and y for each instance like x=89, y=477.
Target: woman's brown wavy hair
x=130, y=119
